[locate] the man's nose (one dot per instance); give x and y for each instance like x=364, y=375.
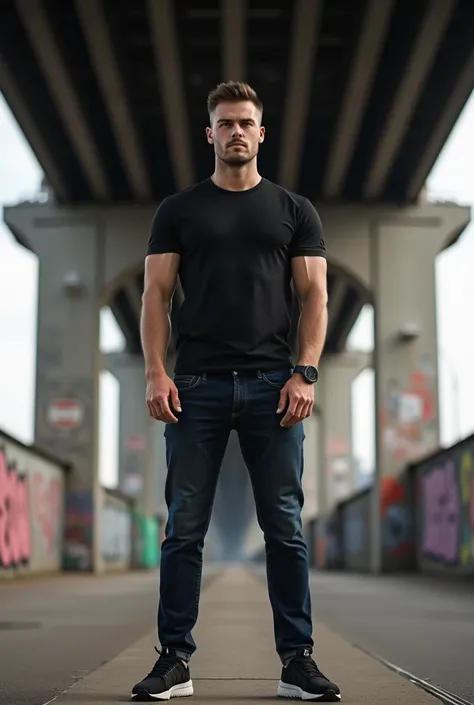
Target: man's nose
x=237, y=131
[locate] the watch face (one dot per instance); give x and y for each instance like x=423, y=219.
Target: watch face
x=311, y=373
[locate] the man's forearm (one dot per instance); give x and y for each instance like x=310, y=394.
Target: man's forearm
x=312, y=330
x=155, y=329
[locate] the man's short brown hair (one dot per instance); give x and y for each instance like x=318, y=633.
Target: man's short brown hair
x=232, y=92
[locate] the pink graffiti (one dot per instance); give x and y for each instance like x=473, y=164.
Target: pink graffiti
x=471, y=506
x=47, y=505
x=15, y=545
x=441, y=513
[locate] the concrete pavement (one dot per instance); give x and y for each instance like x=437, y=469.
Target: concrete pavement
x=55, y=630
x=422, y=624
x=236, y=660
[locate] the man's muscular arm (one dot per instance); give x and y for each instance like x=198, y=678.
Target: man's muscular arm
x=310, y=280
x=161, y=271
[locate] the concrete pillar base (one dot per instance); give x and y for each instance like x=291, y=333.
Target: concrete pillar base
x=138, y=465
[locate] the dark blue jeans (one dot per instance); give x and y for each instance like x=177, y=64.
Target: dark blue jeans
x=212, y=405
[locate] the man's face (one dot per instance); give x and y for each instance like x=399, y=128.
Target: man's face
x=235, y=132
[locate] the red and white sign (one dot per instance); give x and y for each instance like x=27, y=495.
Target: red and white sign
x=65, y=414
x=135, y=442
x=336, y=445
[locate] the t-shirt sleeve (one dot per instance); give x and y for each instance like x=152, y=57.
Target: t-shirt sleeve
x=164, y=235
x=308, y=238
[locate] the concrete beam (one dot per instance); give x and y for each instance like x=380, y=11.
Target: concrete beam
x=115, y=361
x=356, y=360
x=97, y=37
x=233, y=40
x=371, y=42
x=165, y=44
x=60, y=84
x=34, y=136
x=304, y=44
x=405, y=99
x=460, y=94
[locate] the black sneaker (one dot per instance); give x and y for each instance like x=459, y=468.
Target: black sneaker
x=302, y=679
x=169, y=678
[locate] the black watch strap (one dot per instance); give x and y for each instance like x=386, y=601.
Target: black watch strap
x=309, y=372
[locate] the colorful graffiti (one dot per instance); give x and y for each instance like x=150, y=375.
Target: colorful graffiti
x=354, y=535
x=145, y=535
x=397, y=519
x=46, y=505
x=409, y=415
x=78, y=530
x=15, y=537
x=466, y=553
x=328, y=541
x=447, y=504
x=116, y=534
x=321, y=551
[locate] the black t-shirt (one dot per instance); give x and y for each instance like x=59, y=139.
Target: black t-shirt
x=235, y=272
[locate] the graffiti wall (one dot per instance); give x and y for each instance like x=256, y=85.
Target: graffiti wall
x=78, y=530
x=397, y=522
x=355, y=522
x=342, y=540
x=408, y=417
x=445, y=499
x=345, y=541
x=31, y=509
x=116, y=531
x=145, y=541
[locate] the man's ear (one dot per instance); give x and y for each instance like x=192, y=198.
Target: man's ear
x=209, y=135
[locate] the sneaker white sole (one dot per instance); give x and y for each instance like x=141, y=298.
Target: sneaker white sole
x=285, y=690
x=181, y=690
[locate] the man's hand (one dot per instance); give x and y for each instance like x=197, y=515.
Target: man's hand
x=299, y=396
x=160, y=390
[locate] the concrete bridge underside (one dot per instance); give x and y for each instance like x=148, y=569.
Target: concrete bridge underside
x=359, y=98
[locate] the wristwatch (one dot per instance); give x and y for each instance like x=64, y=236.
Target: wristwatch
x=309, y=372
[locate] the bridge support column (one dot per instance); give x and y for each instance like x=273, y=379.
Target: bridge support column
x=336, y=470
x=337, y=375
x=141, y=450
x=403, y=252
x=67, y=372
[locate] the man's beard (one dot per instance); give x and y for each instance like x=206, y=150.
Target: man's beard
x=236, y=159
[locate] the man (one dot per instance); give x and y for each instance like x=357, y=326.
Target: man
x=237, y=241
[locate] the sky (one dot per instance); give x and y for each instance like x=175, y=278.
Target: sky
x=452, y=178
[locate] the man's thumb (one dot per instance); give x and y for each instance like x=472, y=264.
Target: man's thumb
x=282, y=402
x=175, y=400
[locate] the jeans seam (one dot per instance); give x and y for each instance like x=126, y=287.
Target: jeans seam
x=191, y=386
x=272, y=384
x=199, y=581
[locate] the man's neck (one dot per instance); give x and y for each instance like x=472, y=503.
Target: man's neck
x=233, y=178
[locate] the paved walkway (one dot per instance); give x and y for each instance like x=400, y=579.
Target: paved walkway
x=236, y=660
